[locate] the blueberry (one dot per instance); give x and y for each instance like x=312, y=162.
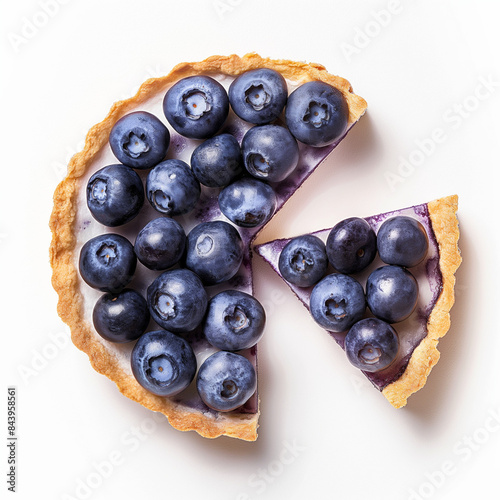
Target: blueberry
x=177, y=300
x=351, y=245
x=235, y=320
x=107, y=262
x=391, y=293
x=196, y=106
x=115, y=195
x=163, y=363
x=171, y=188
x=269, y=152
x=337, y=302
x=402, y=241
x=226, y=381
x=160, y=243
x=303, y=260
x=214, y=251
x=121, y=317
x=248, y=202
x=217, y=161
x=258, y=96
x=371, y=344
x=139, y=140
x=317, y=113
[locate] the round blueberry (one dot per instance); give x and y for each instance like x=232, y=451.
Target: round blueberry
x=107, y=262
x=217, y=161
x=391, y=293
x=214, y=251
x=171, y=188
x=115, y=195
x=337, y=302
x=258, y=96
x=121, y=317
x=351, y=245
x=317, y=113
x=235, y=320
x=402, y=241
x=163, y=363
x=371, y=344
x=248, y=202
x=177, y=300
x=303, y=260
x=226, y=381
x=139, y=140
x=160, y=243
x=269, y=152
x=196, y=106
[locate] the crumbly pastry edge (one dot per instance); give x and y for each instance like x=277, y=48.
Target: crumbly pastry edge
x=442, y=213
x=65, y=278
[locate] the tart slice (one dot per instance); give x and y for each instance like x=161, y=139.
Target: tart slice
x=396, y=364
x=102, y=214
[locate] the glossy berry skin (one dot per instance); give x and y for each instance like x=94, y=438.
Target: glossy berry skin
x=269, y=152
x=163, y=363
x=351, y=245
x=226, y=381
x=214, y=251
x=121, y=317
x=402, y=241
x=160, y=243
x=303, y=261
x=258, y=96
x=337, y=302
x=177, y=300
x=139, y=140
x=107, y=262
x=115, y=195
x=371, y=344
x=171, y=188
x=196, y=106
x=317, y=114
x=391, y=293
x=217, y=161
x=248, y=202
x=235, y=320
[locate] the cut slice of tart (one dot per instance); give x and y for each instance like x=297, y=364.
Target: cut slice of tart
x=73, y=225
x=430, y=320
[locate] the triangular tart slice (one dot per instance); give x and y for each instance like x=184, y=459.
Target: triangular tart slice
x=420, y=332
x=72, y=225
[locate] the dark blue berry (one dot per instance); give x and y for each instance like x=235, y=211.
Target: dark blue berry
x=196, y=106
x=402, y=241
x=269, y=152
x=371, y=344
x=177, y=300
x=351, y=245
x=391, y=293
x=226, y=381
x=303, y=260
x=121, y=317
x=248, y=202
x=163, y=363
x=337, y=302
x=115, y=195
x=171, y=188
x=107, y=262
x=258, y=96
x=235, y=320
x=139, y=140
x=317, y=113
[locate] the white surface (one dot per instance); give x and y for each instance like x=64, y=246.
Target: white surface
x=325, y=433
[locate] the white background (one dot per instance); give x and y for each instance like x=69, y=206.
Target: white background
x=325, y=433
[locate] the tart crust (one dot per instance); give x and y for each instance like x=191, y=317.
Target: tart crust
x=65, y=278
